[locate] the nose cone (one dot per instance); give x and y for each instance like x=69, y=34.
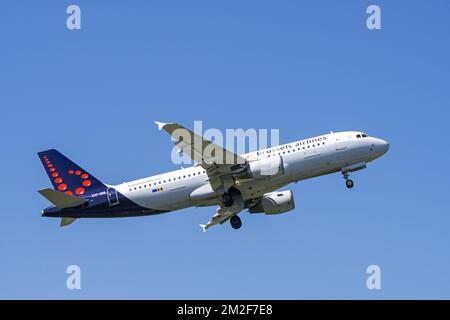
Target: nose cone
x=381, y=147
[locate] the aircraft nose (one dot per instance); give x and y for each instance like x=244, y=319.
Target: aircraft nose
x=382, y=146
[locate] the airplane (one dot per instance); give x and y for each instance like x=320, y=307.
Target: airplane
x=248, y=181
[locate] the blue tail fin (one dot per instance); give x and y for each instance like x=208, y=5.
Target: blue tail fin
x=68, y=177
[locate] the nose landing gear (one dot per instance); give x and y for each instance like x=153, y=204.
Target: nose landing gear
x=348, y=182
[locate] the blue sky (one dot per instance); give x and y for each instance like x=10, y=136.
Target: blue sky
x=301, y=66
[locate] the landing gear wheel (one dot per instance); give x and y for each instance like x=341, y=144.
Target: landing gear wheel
x=235, y=222
x=227, y=199
x=349, y=183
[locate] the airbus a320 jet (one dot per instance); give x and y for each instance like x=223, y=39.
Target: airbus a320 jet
x=220, y=178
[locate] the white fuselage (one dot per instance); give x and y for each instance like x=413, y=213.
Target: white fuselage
x=302, y=159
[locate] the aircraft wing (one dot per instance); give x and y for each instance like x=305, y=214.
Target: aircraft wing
x=218, y=162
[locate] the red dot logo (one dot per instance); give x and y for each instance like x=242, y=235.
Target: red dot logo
x=70, y=172
x=55, y=174
x=52, y=169
x=84, y=176
x=87, y=183
x=50, y=165
x=79, y=191
x=78, y=172
x=58, y=180
x=62, y=187
x=69, y=193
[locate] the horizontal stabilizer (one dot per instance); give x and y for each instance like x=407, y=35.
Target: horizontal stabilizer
x=66, y=221
x=60, y=199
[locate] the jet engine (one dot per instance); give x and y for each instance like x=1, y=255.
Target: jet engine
x=274, y=203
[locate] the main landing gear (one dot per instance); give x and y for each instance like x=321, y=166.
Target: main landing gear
x=227, y=199
x=231, y=196
x=235, y=222
x=232, y=200
x=348, y=182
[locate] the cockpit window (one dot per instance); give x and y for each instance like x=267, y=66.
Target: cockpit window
x=364, y=135
x=358, y=136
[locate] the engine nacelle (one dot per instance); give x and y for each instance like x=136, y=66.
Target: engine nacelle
x=274, y=203
x=265, y=168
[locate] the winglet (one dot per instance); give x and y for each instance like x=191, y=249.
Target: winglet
x=204, y=227
x=160, y=124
